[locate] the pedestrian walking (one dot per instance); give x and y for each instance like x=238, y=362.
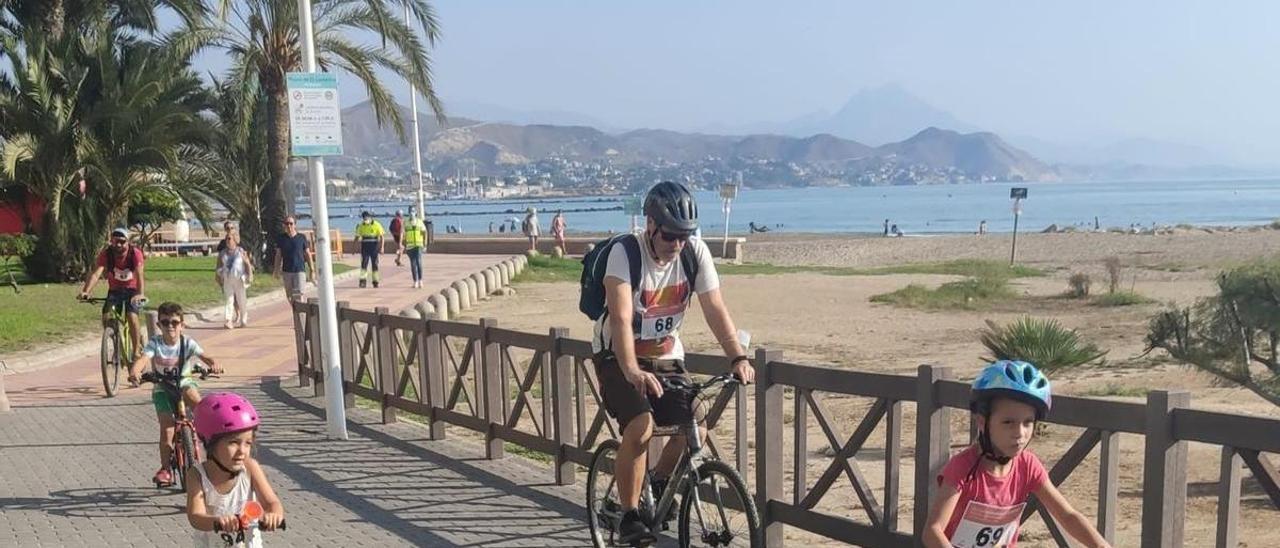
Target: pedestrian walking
x=294, y=266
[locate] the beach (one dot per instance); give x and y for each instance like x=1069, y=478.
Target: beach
x=829, y=320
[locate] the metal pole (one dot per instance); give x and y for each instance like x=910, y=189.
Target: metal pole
x=335, y=411
x=417, y=143
x=724, y=248
x=1013, y=252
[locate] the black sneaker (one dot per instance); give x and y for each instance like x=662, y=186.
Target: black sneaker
x=362, y=283
x=633, y=532
x=375, y=284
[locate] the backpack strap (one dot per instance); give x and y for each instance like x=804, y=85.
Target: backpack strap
x=689, y=263
x=631, y=245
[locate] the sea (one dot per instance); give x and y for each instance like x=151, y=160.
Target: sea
x=916, y=210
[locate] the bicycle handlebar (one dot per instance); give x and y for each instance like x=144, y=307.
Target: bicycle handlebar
x=100, y=300
x=174, y=377
x=680, y=383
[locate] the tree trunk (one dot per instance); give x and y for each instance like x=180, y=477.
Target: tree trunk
x=53, y=259
x=272, y=197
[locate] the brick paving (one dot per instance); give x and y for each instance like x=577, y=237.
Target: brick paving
x=75, y=467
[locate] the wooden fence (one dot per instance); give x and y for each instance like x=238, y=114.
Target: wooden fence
x=538, y=391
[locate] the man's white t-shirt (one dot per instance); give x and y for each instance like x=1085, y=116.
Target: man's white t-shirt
x=660, y=299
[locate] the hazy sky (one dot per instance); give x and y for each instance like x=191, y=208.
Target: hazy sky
x=1200, y=73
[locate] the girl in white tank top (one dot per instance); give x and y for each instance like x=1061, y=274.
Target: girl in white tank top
x=226, y=504
x=219, y=488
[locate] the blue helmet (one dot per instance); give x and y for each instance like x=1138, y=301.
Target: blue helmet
x=1018, y=380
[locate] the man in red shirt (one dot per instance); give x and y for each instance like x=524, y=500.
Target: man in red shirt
x=122, y=263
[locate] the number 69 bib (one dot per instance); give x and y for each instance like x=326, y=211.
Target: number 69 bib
x=659, y=322
x=986, y=526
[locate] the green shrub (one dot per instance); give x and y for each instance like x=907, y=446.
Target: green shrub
x=1044, y=343
x=971, y=293
x=1121, y=298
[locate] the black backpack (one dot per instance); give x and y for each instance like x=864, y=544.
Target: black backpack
x=594, y=265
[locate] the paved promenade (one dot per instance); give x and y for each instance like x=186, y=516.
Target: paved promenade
x=77, y=466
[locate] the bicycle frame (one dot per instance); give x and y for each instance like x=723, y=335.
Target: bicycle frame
x=690, y=460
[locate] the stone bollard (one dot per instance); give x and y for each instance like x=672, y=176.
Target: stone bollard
x=521, y=262
x=440, y=306
x=511, y=266
x=464, y=295
x=504, y=269
x=482, y=289
x=491, y=280
x=558, y=252
x=473, y=289
x=424, y=309
x=411, y=312
x=452, y=300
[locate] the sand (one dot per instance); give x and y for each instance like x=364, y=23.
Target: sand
x=828, y=320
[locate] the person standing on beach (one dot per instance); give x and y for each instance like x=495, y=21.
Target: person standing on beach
x=397, y=234
x=294, y=266
x=557, y=230
x=530, y=228
x=982, y=227
x=886, y=228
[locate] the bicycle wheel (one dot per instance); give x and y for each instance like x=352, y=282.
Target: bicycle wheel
x=720, y=512
x=109, y=358
x=188, y=458
x=603, y=510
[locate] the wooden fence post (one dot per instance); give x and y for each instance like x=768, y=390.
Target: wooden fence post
x=1164, y=475
x=1229, y=498
x=561, y=394
x=494, y=393
x=347, y=353
x=1108, y=484
x=386, y=366
x=933, y=441
x=318, y=368
x=433, y=369
x=301, y=333
x=769, y=426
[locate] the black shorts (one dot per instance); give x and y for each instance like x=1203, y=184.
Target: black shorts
x=117, y=298
x=624, y=402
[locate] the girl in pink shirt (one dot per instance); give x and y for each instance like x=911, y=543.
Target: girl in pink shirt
x=983, y=489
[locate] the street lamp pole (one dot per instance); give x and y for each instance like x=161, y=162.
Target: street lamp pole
x=417, y=143
x=335, y=410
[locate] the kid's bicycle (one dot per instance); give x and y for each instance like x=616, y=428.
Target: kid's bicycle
x=186, y=453
x=715, y=507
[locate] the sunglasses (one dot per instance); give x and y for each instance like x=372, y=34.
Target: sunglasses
x=119, y=241
x=169, y=323
x=288, y=223
x=669, y=237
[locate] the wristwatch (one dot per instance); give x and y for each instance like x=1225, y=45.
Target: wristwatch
x=737, y=359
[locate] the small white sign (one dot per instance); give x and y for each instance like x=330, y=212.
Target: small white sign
x=315, y=116
x=728, y=191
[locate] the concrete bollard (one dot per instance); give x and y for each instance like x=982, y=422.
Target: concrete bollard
x=473, y=288
x=440, y=306
x=482, y=292
x=521, y=262
x=492, y=281
x=411, y=312
x=464, y=296
x=424, y=309
x=511, y=266
x=452, y=301
x=504, y=269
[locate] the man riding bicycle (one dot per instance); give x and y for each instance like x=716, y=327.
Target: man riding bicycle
x=637, y=339
x=123, y=264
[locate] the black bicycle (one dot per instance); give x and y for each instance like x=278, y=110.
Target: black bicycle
x=715, y=507
x=186, y=453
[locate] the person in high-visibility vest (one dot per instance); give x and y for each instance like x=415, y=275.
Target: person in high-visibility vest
x=415, y=241
x=369, y=236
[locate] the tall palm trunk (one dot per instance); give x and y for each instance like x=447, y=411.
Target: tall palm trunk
x=272, y=197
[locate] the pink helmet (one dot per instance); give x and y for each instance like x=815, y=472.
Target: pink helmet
x=224, y=412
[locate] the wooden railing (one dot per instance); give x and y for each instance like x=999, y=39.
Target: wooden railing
x=539, y=392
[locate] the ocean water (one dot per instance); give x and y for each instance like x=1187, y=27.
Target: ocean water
x=915, y=209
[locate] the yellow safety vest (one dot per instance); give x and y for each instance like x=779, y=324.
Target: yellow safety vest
x=369, y=231
x=415, y=233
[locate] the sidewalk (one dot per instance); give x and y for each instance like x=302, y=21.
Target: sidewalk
x=78, y=474
x=266, y=346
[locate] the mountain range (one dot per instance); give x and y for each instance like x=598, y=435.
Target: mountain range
x=493, y=147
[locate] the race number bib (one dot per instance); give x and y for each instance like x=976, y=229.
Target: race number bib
x=122, y=274
x=985, y=525
x=661, y=322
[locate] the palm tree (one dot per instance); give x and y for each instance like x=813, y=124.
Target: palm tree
x=263, y=40
x=54, y=17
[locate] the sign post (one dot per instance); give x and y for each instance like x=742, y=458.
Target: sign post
x=1017, y=194
x=315, y=130
x=728, y=191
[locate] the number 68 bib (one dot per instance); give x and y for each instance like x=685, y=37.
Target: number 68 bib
x=986, y=526
x=659, y=322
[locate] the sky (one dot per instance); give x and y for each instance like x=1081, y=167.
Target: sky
x=1204, y=74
